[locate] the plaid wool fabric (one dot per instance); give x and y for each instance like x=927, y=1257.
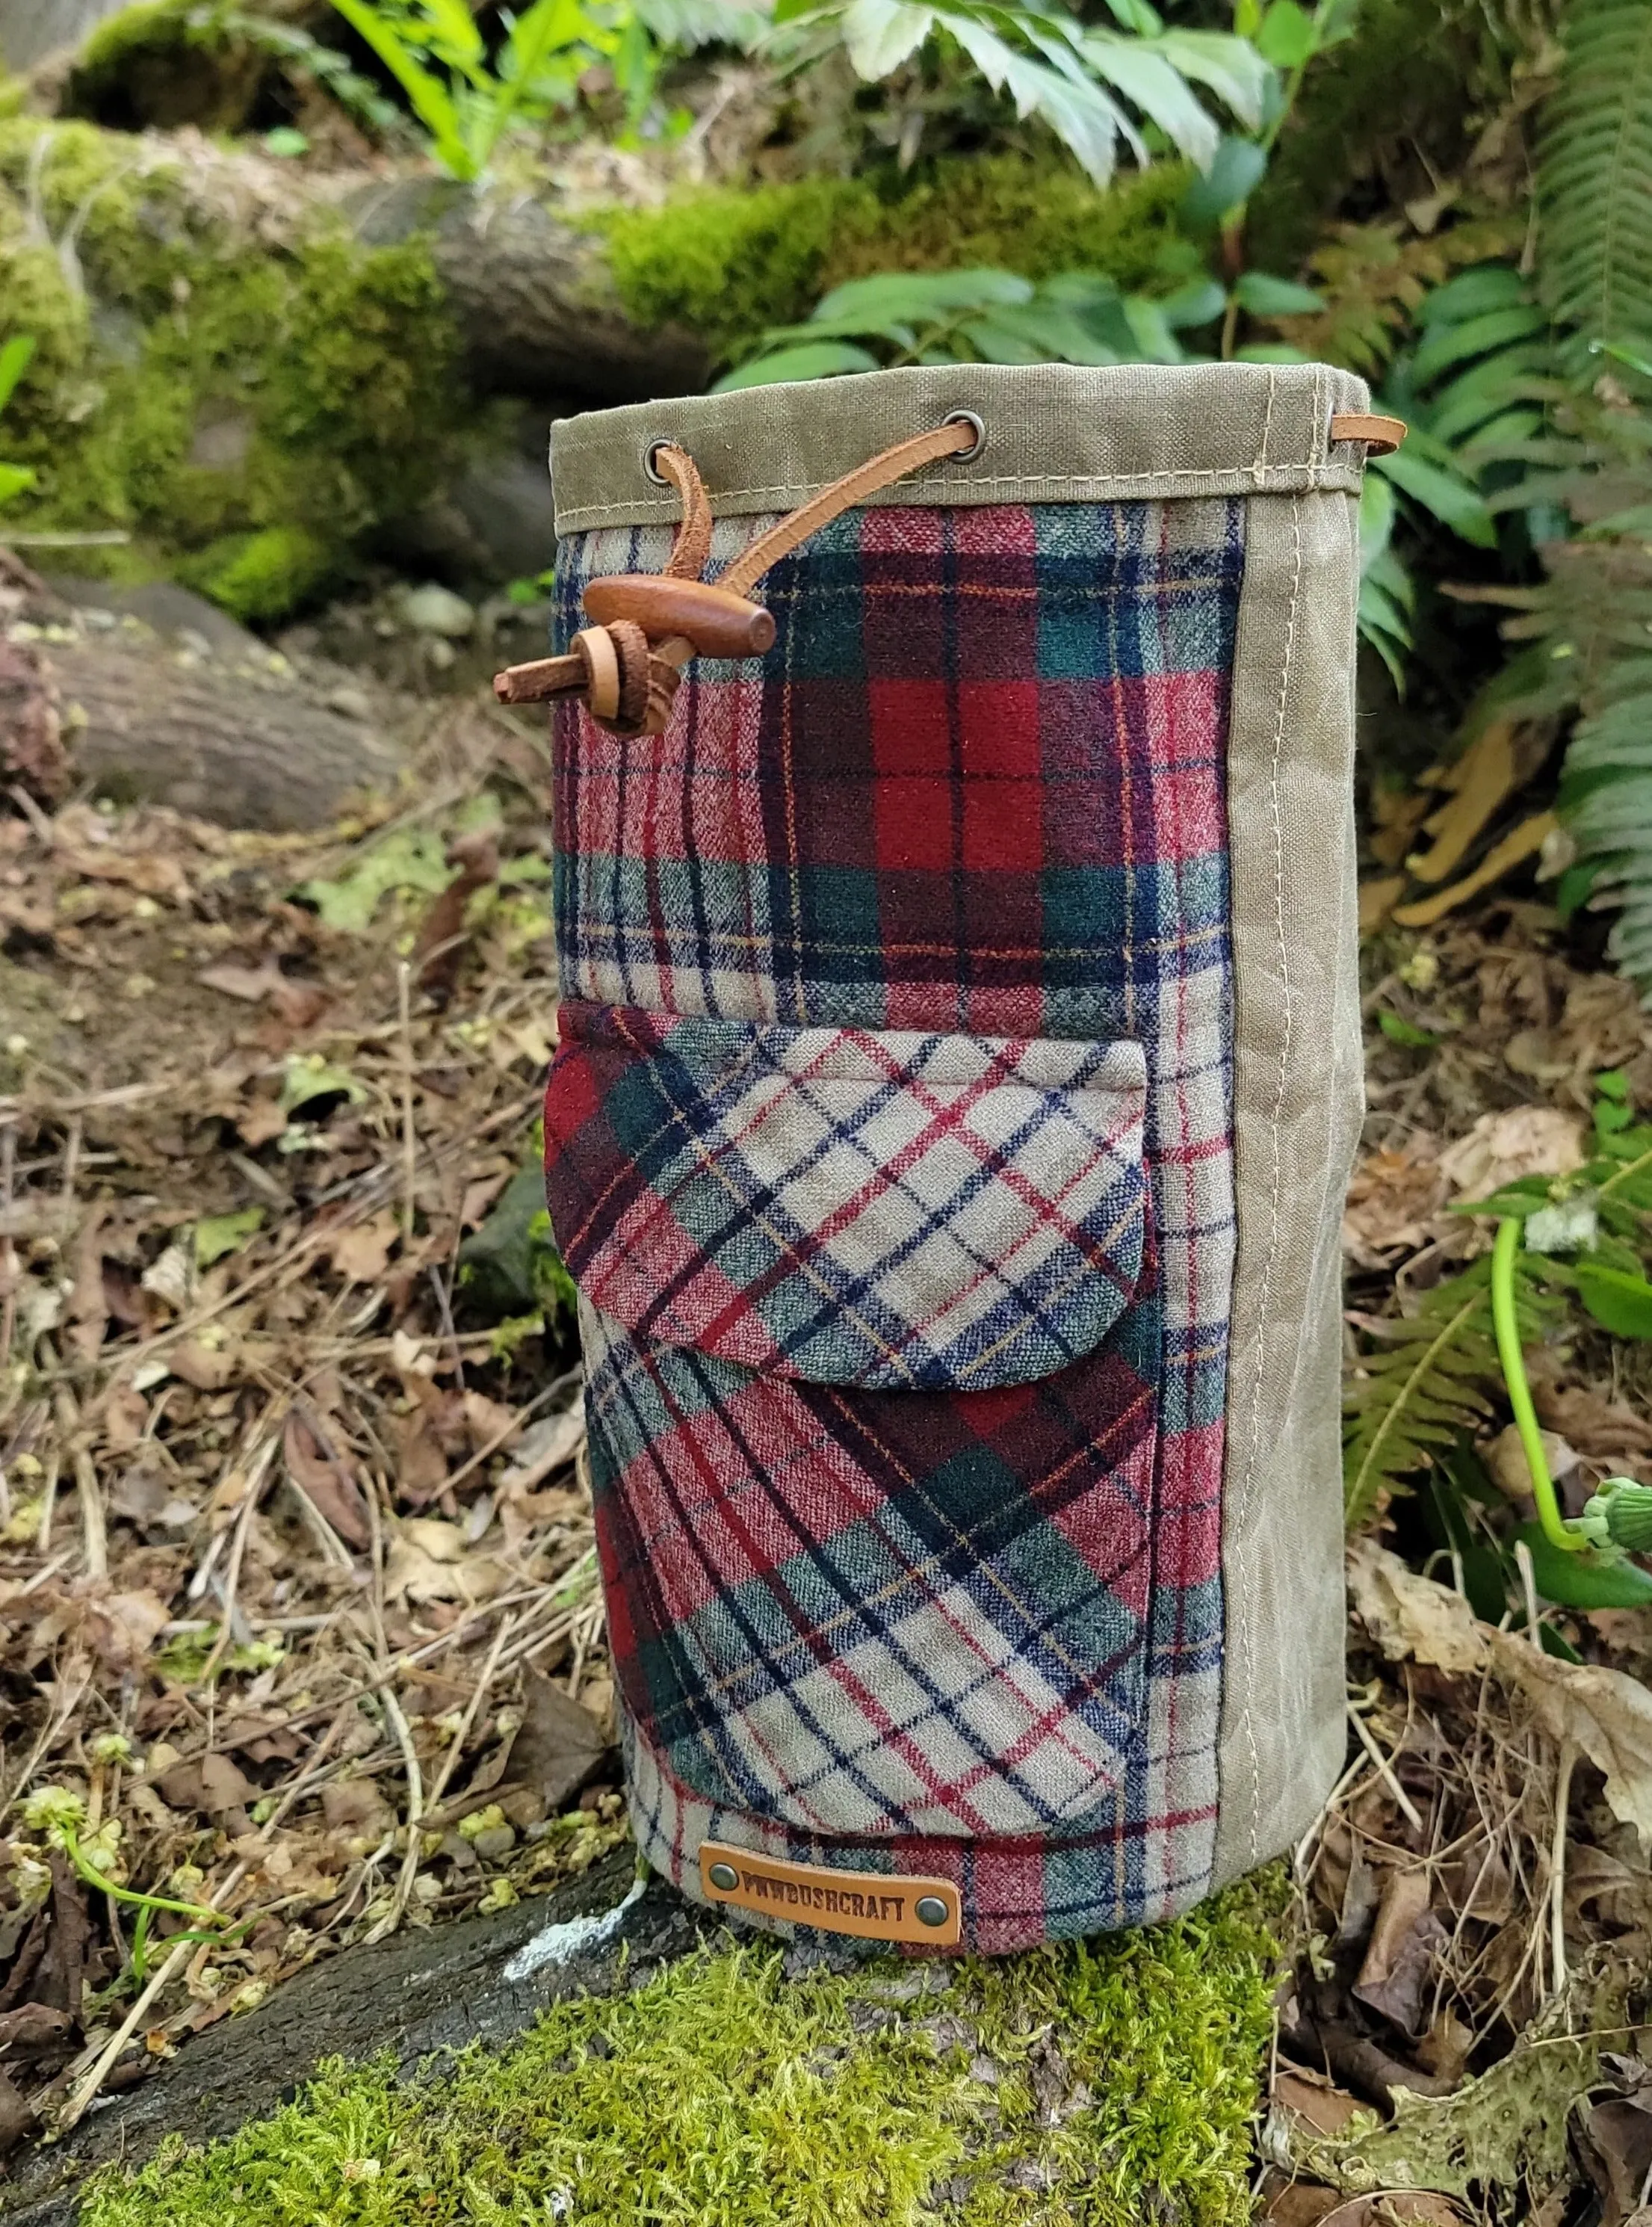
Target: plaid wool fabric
x=850, y=1207
x=890, y=1143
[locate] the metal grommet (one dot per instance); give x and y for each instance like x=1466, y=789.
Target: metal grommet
x=929, y=1909
x=724, y=1878
x=648, y=464
x=963, y=457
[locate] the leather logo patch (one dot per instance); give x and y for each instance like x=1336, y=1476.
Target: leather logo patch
x=876, y=1906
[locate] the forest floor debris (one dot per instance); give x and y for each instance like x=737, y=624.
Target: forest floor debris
x=299, y=1618
x=300, y=1628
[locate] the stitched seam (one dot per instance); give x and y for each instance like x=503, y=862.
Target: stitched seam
x=1273, y=1122
x=1258, y=469
x=1223, y=481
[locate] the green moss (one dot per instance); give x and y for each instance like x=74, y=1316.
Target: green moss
x=166, y=62
x=262, y=576
x=727, y=263
x=1094, y=2085
x=249, y=417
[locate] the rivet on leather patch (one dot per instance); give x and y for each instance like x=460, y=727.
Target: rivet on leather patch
x=876, y=1906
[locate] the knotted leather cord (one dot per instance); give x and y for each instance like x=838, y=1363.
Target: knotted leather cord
x=628, y=675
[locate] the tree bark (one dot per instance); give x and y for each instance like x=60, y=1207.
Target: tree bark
x=219, y=736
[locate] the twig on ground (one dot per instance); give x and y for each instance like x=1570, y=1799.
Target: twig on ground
x=1386, y=1770
x=449, y=1762
x=409, y=1136
x=257, y=1471
x=1557, y=1866
x=9, y=1276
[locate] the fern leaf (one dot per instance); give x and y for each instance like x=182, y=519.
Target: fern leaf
x=1595, y=177
x=1424, y=1384
x=1373, y=282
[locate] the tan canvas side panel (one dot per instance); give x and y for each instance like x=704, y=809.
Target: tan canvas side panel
x=1297, y=1101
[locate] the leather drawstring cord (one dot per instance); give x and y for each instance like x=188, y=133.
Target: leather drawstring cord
x=646, y=625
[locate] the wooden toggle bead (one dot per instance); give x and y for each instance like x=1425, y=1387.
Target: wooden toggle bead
x=717, y=623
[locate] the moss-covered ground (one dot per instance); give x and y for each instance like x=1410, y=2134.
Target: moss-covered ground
x=1090, y=2086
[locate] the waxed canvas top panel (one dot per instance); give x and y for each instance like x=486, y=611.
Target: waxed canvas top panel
x=1054, y=433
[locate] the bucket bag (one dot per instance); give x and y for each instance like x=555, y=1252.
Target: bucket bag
x=958, y=1080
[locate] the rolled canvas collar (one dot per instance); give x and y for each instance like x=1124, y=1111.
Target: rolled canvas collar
x=1054, y=433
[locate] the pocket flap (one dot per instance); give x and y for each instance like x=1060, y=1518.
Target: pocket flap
x=847, y=1205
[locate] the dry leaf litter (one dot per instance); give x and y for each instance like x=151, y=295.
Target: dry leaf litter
x=299, y=1622
x=300, y=1628
x=1461, y=2035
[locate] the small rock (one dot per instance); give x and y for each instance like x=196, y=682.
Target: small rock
x=350, y=703
x=1506, y=1459
x=192, y=639
x=442, y=655
x=433, y=610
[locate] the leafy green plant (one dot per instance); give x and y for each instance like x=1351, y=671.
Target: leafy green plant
x=977, y=316
x=16, y=356
x=94, y=1855
x=1592, y=619
x=1479, y=336
x=1595, y=183
x=510, y=1267
x=1577, y=1249
x=466, y=99
x=1542, y=396
x=1079, y=78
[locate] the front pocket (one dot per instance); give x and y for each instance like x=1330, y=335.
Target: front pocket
x=873, y=1332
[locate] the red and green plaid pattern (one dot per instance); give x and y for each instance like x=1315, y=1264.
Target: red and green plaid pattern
x=890, y=1143
x=886, y=1210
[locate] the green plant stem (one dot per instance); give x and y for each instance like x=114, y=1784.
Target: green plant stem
x=89, y=1871
x=1505, y=1322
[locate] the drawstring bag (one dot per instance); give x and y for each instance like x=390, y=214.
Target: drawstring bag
x=958, y=1077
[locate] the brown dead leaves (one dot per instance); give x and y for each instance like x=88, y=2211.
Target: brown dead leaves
x=327, y=1479
x=429, y=1561
x=1411, y=1618
x=327, y=1494
x=116, y=1627
x=1501, y=1148
x=1604, y=1711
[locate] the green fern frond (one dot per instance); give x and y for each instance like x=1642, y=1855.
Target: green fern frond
x=1593, y=615
x=1595, y=178
x=1373, y=281
x=1425, y=1382
x=1593, y=463
x=1426, y=1378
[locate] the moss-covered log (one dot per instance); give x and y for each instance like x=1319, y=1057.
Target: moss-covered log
x=262, y=375
x=673, y=2079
